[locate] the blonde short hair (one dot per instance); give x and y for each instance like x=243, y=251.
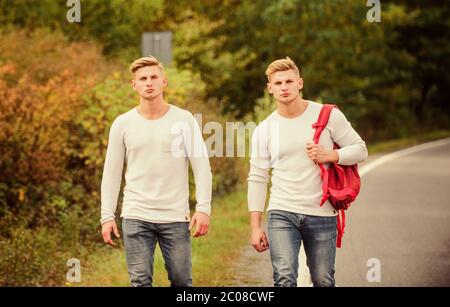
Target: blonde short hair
x=145, y=61
x=282, y=65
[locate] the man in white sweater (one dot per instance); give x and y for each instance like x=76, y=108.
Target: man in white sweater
x=156, y=141
x=283, y=142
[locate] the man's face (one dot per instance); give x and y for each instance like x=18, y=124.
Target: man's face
x=149, y=82
x=285, y=86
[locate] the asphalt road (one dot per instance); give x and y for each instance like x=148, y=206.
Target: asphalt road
x=398, y=231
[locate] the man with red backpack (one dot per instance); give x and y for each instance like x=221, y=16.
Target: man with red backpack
x=310, y=178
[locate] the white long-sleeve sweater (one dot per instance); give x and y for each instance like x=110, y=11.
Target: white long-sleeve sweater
x=157, y=155
x=279, y=143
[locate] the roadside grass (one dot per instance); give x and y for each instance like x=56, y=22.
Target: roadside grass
x=104, y=268
x=212, y=255
x=389, y=146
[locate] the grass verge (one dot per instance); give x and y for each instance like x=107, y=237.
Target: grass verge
x=389, y=146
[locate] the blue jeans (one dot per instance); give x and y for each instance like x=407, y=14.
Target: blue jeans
x=140, y=239
x=286, y=232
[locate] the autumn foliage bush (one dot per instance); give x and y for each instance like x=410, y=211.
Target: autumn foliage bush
x=42, y=80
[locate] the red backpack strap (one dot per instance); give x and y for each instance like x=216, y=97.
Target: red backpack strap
x=321, y=123
x=340, y=227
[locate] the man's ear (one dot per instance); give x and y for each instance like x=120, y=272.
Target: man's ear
x=300, y=83
x=165, y=81
x=269, y=88
x=133, y=83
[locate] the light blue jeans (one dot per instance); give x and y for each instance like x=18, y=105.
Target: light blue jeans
x=286, y=232
x=140, y=240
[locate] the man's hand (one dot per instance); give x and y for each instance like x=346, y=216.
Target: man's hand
x=202, y=221
x=319, y=154
x=259, y=240
x=107, y=228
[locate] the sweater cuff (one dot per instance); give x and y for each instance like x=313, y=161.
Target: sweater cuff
x=203, y=208
x=107, y=219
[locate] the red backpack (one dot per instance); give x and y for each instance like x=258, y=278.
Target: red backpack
x=340, y=183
